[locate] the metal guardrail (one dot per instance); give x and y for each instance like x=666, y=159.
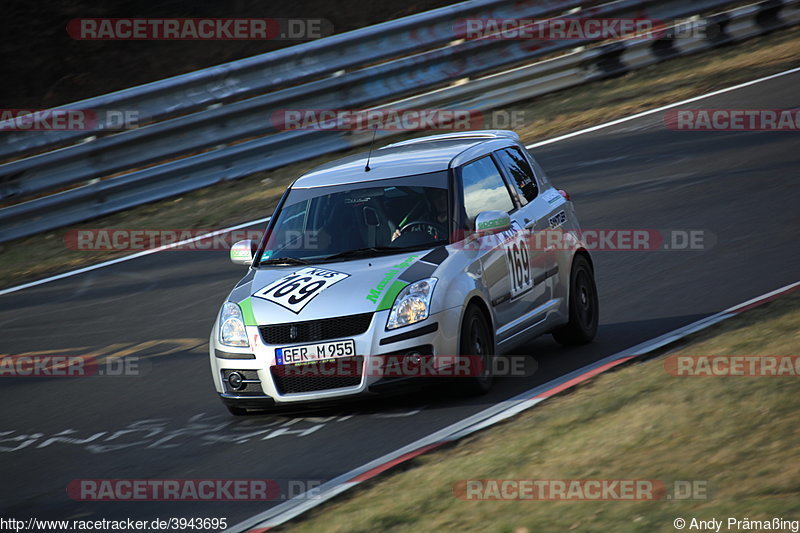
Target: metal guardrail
x=367, y=87
x=244, y=119
x=221, y=84
x=592, y=64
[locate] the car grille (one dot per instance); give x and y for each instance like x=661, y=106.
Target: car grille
x=319, y=376
x=316, y=330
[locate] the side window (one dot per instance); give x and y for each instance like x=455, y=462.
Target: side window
x=484, y=188
x=520, y=171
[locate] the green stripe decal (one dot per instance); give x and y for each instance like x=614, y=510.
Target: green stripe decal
x=388, y=298
x=396, y=270
x=247, y=312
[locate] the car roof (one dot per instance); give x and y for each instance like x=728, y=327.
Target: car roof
x=407, y=158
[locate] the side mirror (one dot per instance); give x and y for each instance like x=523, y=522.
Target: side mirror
x=491, y=222
x=242, y=252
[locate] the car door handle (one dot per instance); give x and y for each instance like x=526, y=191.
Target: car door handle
x=529, y=223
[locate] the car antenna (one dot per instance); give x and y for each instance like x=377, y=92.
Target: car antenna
x=371, y=144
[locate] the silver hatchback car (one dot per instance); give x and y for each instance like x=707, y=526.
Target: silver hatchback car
x=453, y=245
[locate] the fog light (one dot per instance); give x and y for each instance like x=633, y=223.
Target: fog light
x=415, y=358
x=235, y=380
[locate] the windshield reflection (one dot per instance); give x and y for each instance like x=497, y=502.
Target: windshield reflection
x=362, y=219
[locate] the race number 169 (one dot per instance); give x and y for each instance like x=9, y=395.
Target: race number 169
x=519, y=265
x=296, y=290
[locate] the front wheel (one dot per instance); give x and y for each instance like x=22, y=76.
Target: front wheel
x=584, y=306
x=476, y=344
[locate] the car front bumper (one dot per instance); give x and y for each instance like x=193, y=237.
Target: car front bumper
x=264, y=387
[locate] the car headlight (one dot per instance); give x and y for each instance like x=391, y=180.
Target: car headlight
x=412, y=304
x=231, y=326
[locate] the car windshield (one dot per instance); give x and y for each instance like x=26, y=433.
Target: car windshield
x=360, y=220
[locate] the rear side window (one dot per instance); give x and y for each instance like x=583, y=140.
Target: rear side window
x=484, y=188
x=520, y=172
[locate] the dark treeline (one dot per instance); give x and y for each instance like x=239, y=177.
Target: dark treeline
x=44, y=67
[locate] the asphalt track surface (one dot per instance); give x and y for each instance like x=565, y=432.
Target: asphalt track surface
x=740, y=188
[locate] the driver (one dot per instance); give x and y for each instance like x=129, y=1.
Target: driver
x=437, y=211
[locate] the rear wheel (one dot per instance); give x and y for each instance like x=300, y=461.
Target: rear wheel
x=476, y=343
x=584, y=306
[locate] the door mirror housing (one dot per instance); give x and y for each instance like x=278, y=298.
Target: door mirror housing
x=242, y=252
x=491, y=222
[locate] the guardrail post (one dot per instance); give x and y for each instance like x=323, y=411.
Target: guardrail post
x=768, y=16
x=717, y=29
x=606, y=61
x=664, y=47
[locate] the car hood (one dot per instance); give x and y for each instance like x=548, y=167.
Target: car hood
x=356, y=286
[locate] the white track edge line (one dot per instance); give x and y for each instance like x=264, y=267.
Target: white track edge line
x=132, y=256
x=530, y=146
x=662, y=108
x=500, y=411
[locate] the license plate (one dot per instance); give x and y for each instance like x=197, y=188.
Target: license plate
x=315, y=352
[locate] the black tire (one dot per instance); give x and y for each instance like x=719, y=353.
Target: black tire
x=476, y=341
x=584, y=306
x=236, y=411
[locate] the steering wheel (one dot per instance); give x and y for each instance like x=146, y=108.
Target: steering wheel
x=438, y=229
